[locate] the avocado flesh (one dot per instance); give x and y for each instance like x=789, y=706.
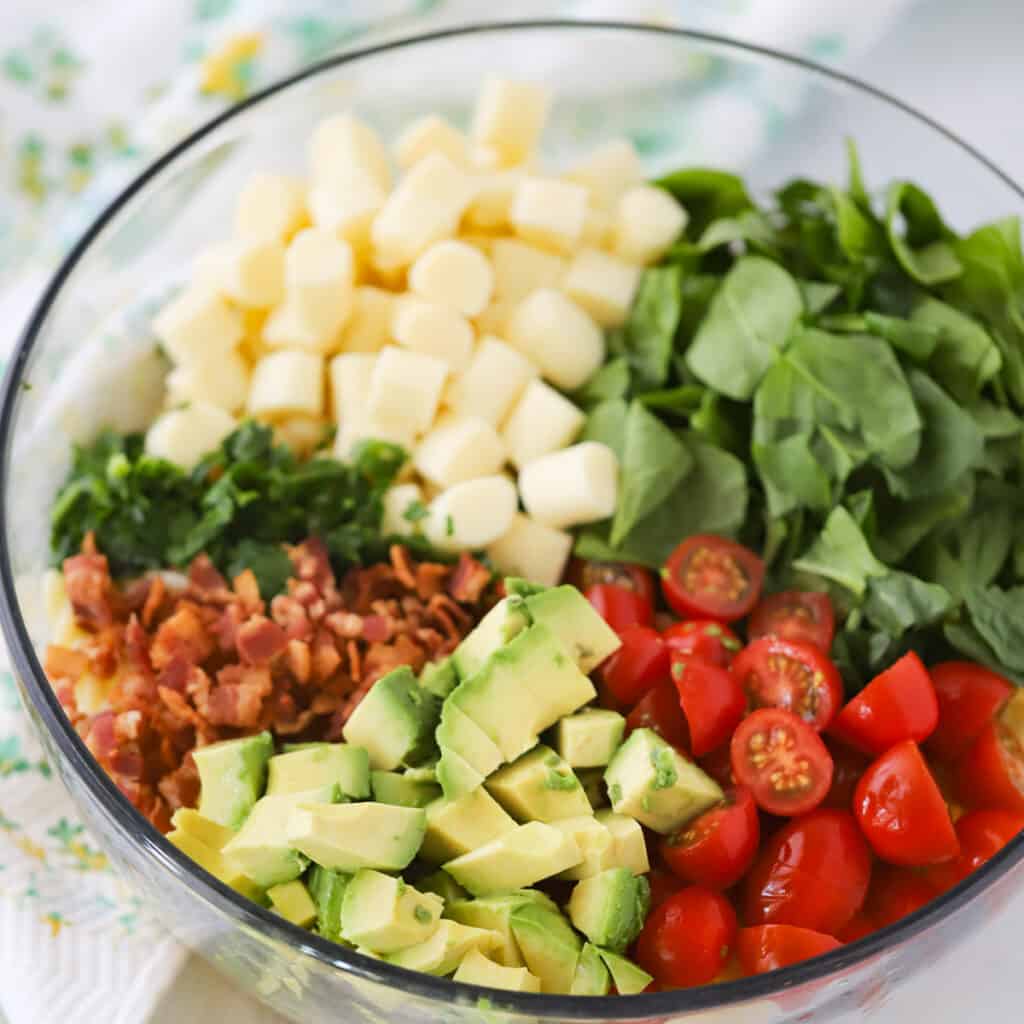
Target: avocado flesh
x=232, y=777
x=321, y=764
x=610, y=908
x=549, y=946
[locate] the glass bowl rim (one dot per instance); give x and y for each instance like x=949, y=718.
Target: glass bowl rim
x=231, y=904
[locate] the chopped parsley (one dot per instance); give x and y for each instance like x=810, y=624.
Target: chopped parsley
x=665, y=774
x=560, y=779
x=449, y=526
x=422, y=914
x=415, y=511
x=615, y=793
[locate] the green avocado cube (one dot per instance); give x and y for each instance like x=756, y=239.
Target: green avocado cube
x=396, y=788
x=443, y=885
x=539, y=786
x=501, y=624
x=579, y=627
x=445, y=949
x=590, y=738
x=223, y=868
x=455, y=827
x=595, y=843
x=549, y=946
x=232, y=777
x=328, y=889
x=185, y=819
x=476, y=969
x=321, y=764
x=468, y=754
x=610, y=908
x=385, y=914
x=629, y=848
x=629, y=980
x=494, y=913
x=592, y=977
x=293, y=902
x=439, y=678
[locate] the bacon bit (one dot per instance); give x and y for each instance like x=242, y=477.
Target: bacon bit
x=300, y=660
x=346, y=625
x=355, y=659
x=247, y=589
x=291, y=617
x=237, y=699
x=127, y=762
x=182, y=634
x=128, y=725
x=90, y=590
x=260, y=640
x=402, y=565
x=181, y=787
x=65, y=663
x=175, y=674
x=225, y=629
x=326, y=658
x=469, y=580
x=378, y=629
x=431, y=579
x=203, y=575
x=100, y=738
x=136, y=646
x=102, y=651
x=89, y=543
x=154, y=598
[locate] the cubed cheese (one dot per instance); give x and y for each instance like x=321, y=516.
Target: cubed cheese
x=574, y=486
x=433, y=330
x=352, y=432
x=320, y=274
x=520, y=268
x=598, y=228
x=494, y=379
x=459, y=449
x=346, y=204
x=287, y=383
x=350, y=376
x=405, y=389
x=287, y=327
x=529, y=549
x=490, y=208
x=647, y=221
x=494, y=319
x=343, y=142
x=602, y=285
x=510, y=117
x=542, y=421
x=557, y=335
x=248, y=271
x=431, y=134
x=368, y=328
x=549, y=212
x=270, y=206
x=608, y=171
x=197, y=323
x=471, y=515
x=222, y=380
x=454, y=274
x=184, y=436
x=301, y=433
x=398, y=501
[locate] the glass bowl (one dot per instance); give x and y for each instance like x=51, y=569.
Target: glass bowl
x=87, y=359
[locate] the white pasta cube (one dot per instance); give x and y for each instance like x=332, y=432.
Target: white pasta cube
x=549, y=212
x=287, y=383
x=574, y=486
x=459, y=449
x=647, y=221
x=431, y=134
x=346, y=204
x=454, y=274
x=608, y=171
x=494, y=379
x=197, y=323
x=434, y=330
x=562, y=339
x=270, y=206
x=397, y=501
x=492, y=204
x=320, y=275
x=287, y=327
x=301, y=433
x=542, y=421
x=368, y=328
x=184, y=436
x=532, y=550
x=405, y=389
x=471, y=515
x=350, y=375
x=510, y=117
x=222, y=379
x=342, y=143
x=494, y=319
x=602, y=285
x=520, y=268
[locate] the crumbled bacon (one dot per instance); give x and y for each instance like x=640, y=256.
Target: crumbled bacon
x=91, y=590
x=469, y=580
x=260, y=640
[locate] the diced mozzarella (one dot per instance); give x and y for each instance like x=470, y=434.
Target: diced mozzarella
x=549, y=212
x=576, y=485
x=352, y=432
x=320, y=275
x=434, y=330
x=598, y=228
x=301, y=433
x=602, y=285
x=529, y=549
x=647, y=221
x=270, y=206
x=431, y=134
x=608, y=171
x=454, y=274
x=195, y=324
x=350, y=375
x=562, y=339
x=542, y=421
x=520, y=268
x=471, y=515
x=490, y=208
x=221, y=380
x=368, y=328
x=405, y=389
x=494, y=379
x=346, y=204
x=459, y=449
x=343, y=142
x=286, y=327
x=287, y=383
x=248, y=271
x=510, y=117
x=397, y=501
x=494, y=319
x=184, y=436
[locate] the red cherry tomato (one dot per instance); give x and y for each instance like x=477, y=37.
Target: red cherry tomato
x=584, y=574
x=796, y=677
x=664, y=885
x=901, y=810
x=982, y=835
x=770, y=947
x=718, y=764
x=803, y=616
x=710, y=577
x=849, y=766
x=619, y=606
x=659, y=710
x=991, y=773
x=860, y=927
x=637, y=665
x=782, y=760
x=688, y=939
x=897, y=892
x=711, y=700
x=718, y=848
x=813, y=873
x=899, y=704
x=969, y=697
x=704, y=640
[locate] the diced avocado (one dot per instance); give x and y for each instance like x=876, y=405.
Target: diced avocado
x=385, y=914
x=328, y=889
x=222, y=868
x=584, y=634
x=456, y=775
x=610, y=908
x=446, y=948
x=592, y=977
x=651, y=781
x=556, y=681
x=549, y=946
x=441, y=883
x=347, y=837
x=595, y=843
x=539, y=786
x=501, y=624
x=439, y=678
x=629, y=980
x=399, y=789
x=395, y=721
x=518, y=587
x=517, y=859
x=476, y=969
x=589, y=738
x=426, y=772
x=321, y=764
x=232, y=777
x=455, y=827
x=494, y=913
x=592, y=781
x=468, y=754
x=629, y=848
x=293, y=902
x=185, y=819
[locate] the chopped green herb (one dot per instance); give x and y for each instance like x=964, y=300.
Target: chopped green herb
x=665, y=773
x=422, y=914
x=449, y=526
x=560, y=779
x=415, y=511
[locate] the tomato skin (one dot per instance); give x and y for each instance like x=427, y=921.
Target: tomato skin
x=803, y=754
x=898, y=704
x=896, y=893
x=969, y=697
x=860, y=927
x=659, y=710
x=849, y=766
x=813, y=873
x=770, y=947
x=688, y=939
x=584, y=574
x=901, y=811
x=664, y=885
x=619, y=606
x=797, y=677
x=703, y=639
x=991, y=773
x=803, y=616
x=717, y=849
x=711, y=577
x=718, y=764
x=982, y=834
x=637, y=665
x=711, y=700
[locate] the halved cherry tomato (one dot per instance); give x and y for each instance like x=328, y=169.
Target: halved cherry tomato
x=982, y=835
x=664, y=885
x=897, y=892
x=782, y=760
x=897, y=705
x=969, y=697
x=718, y=848
x=718, y=764
x=710, y=577
x=991, y=773
x=703, y=639
x=770, y=947
x=584, y=574
x=688, y=939
x=711, y=699
x=619, y=606
x=813, y=873
x=860, y=927
x=659, y=710
x=637, y=665
x=849, y=766
x=901, y=810
x=804, y=616
x=796, y=677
